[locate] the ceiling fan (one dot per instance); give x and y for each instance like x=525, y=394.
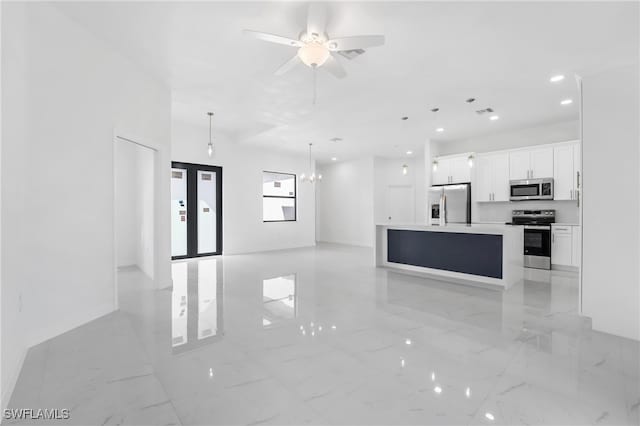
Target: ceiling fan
x=315, y=48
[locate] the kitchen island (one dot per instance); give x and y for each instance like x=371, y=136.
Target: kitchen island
x=486, y=255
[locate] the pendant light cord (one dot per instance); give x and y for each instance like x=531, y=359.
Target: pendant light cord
x=210, y=118
x=315, y=84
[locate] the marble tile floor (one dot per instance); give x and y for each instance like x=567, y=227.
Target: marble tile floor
x=319, y=336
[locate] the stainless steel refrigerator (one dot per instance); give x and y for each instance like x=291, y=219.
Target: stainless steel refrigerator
x=456, y=200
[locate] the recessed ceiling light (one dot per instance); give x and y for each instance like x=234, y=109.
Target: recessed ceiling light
x=409, y=152
x=494, y=118
x=556, y=78
x=440, y=129
x=566, y=102
x=336, y=139
x=334, y=159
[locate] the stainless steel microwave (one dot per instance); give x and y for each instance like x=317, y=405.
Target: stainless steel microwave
x=531, y=189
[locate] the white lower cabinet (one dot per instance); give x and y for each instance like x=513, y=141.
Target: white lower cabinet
x=561, y=245
x=576, y=252
x=565, y=245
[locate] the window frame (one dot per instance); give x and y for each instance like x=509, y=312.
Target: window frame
x=294, y=197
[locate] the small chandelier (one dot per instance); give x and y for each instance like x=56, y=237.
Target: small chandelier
x=312, y=177
x=210, y=144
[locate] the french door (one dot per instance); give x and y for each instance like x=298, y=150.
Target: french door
x=196, y=210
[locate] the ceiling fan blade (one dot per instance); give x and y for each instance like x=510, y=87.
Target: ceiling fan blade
x=334, y=67
x=317, y=19
x=355, y=42
x=287, y=66
x=272, y=38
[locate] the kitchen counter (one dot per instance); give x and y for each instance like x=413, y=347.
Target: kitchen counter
x=488, y=255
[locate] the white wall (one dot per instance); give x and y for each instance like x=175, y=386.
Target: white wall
x=242, y=167
x=345, y=203
x=538, y=135
x=126, y=203
x=68, y=92
x=566, y=211
x=134, y=206
x=388, y=172
x=611, y=209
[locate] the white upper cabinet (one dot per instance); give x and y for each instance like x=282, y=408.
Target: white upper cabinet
x=453, y=169
x=492, y=177
x=531, y=163
x=500, y=166
x=440, y=172
x=460, y=169
x=519, y=165
x=566, y=169
x=542, y=163
x=483, y=185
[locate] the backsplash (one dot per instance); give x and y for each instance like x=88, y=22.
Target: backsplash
x=566, y=211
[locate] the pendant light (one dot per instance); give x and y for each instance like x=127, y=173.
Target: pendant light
x=210, y=145
x=311, y=178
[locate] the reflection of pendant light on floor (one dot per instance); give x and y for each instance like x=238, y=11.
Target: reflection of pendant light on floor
x=210, y=145
x=405, y=169
x=311, y=178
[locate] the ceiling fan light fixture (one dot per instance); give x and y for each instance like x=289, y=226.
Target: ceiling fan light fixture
x=313, y=54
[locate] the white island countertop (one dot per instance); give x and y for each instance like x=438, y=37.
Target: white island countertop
x=491, y=258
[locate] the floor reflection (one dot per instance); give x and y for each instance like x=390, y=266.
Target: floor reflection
x=279, y=299
x=196, y=307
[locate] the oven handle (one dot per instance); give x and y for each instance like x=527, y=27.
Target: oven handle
x=542, y=227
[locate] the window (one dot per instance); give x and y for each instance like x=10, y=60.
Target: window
x=278, y=197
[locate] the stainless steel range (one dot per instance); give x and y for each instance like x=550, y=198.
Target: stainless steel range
x=537, y=236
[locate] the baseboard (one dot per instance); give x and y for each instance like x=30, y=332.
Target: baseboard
x=564, y=268
x=342, y=243
x=54, y=330
x=265, y=250
x=8, y=391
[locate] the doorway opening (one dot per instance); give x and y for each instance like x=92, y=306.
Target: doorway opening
x=196, y=210
x=134, y=212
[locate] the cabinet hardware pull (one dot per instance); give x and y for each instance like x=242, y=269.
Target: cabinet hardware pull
x=577, y=179
x=571, y=194
x=553, y=238
x=578, y=197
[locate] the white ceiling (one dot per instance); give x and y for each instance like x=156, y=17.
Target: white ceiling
x=436, y=55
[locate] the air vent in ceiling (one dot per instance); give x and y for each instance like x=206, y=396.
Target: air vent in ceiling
x=484, y=111
x=351, y=54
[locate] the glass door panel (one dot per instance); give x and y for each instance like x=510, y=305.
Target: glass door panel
x=206, y=211
x=178, y=212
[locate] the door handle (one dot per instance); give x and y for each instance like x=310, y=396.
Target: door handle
x=578, y=197
x=577, y=179
x=571, y=194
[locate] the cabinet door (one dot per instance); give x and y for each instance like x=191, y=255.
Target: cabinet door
x=460, y=170
x=541, y=161
x=563, y=176
x=500, y=177
x=576, y=250
x=482, y=187
x=561, y=245
x=519, y=165
x=440, y=176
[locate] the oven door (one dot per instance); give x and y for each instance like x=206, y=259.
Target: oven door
x=537, y=240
